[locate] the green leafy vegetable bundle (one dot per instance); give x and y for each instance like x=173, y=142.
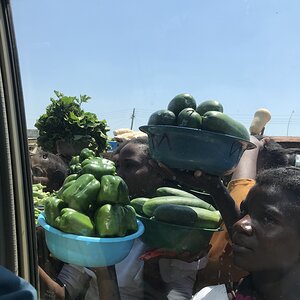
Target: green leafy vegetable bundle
x=66, y=120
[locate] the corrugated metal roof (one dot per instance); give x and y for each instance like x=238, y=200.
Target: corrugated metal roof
x=287, y=141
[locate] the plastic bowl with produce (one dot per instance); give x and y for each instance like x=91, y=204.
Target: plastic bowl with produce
x=176, y=238
x=195, y=149
x=88, y=251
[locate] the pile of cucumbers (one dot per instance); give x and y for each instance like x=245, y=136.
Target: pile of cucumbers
x=175, y=206
x=183, y=111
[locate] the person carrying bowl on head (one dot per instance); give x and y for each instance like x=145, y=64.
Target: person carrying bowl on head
x=264, y=231
x=220, y=268
x=161, y=277
x=143, y=176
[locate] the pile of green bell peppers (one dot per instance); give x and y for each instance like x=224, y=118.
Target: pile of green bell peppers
x=92, y=201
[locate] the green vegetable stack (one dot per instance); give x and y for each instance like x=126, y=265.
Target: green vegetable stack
x=39, y=195
x=39, y=199
x=183, y=111
x=178, y=207
x=93, y=200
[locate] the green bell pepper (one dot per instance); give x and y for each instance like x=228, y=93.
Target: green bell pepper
x=72, y=221
x=75, y=169
x=86, y=153
x=52, y=209
x=71, y=177
x=98, y=168
x=64, y=187
x=131, y=219
x=74, y=160
x=97, y=159
x=67, y=209
x=113, y=190
x=82, y=193
x=115, y=221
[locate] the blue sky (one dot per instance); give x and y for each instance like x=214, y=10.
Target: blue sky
x=140, y=54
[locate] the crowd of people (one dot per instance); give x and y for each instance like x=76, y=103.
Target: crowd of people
x=255, y=257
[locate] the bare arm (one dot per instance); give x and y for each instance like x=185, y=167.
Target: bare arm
x=54, y=286
x=247, y=166
x=226, y=205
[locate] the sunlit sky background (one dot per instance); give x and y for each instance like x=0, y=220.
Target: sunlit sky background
x=139, y=54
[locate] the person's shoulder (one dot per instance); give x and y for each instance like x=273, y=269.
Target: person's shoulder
x=15, y=287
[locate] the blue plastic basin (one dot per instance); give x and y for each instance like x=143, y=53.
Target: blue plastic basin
x=195, y=149
x=88, y=251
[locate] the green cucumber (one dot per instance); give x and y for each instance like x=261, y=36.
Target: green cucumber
x=209, y=105
x=175, y=214
x=150, y=205
x=187, y=216
x=219, y=122
x=207, y=219
x=137, y=204
x=169, y=191
x=180, y=102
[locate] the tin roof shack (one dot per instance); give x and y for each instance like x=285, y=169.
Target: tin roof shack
x=292, y=143
x=32, y=135
x=287, y=141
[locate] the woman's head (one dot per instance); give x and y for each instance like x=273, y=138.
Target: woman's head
x=48, y=169
x=267, y=237
x=132, y=161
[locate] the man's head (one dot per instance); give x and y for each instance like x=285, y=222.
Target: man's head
x=132, y=161
x=48, y=169
x=267, y=237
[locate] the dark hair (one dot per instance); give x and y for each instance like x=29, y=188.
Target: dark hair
x=285, y=178
x=273, y=155
x=141, y=140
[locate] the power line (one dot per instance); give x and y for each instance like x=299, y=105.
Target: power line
x=288, y=125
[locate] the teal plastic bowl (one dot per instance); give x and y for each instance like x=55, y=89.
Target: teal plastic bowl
x=88, y=251
x=195, y=149
x=175, y=238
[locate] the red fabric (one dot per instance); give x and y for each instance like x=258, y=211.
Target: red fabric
x=157, y=253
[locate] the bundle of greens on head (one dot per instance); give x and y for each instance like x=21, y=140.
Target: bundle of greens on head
x=66, y=120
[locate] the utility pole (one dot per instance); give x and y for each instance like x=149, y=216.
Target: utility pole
x=288, y=125
x=132, y=118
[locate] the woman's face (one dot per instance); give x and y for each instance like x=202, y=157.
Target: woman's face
x=266, y=238
x=39, y=167
x=47, y=169
x=133, y=166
